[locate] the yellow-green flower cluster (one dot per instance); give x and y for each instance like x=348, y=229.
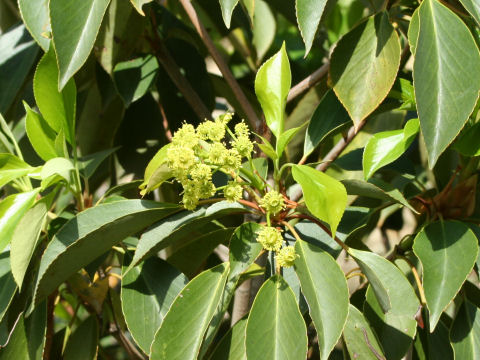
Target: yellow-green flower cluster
x=286, y=256
x=270, y=238
x=233, y=191
x=273, y=202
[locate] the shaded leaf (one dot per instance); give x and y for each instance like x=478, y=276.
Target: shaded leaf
x=309, y=13
x=232, y=345
x=82, y=344
x=473, y=7
x=40, y=134
x=7, y=284
x=465, y=332
x=285, y=139
x=89, y=163
x=227, y=7
x=138, y=4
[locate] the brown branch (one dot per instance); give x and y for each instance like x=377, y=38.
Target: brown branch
x=310, y=81
x=217, y=57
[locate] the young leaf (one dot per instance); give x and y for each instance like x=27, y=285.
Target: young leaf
x=83, y=238
x=285, y=139
x=447, y=251
x=446, y=76
x=385, y=147
x=325, y=289
x=227, y=7
x=74, y=43
x=11, y=168
x=309, y=13
x=8, y=288
x=35, y=16
x=182, y=330
x=272, y=85
x=465, y=332
x=142, y=285
x=325, y=197
x=41, y=135
x=151, y=177
x=83, y=342
x=275, y=312
x=368, y=54
x=232, y=345
x=57, y=107
x=264, y=27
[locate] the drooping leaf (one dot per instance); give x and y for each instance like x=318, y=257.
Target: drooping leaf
x=151, y=178
x=285, y=139
x=11, y=168
x=325, y=197
x=232, y=345
x=447, y=251
x=182, y=330
x=40, y=134
x=227, y=7
x=465, y=332
x=90, y=234
x=35, y=16
x=138, y=4
x=325, y=289
x=446, y=76
x=12, y=209
x=146, y=297
x=57, y=108
x=82, y=344
x=264, y=26
x=74, y=43
x=7, y=284
x=272, y=85
x=360, y=339
x=473, y=7
x=369, y=54
x=413, y=30
x=329, y=116
x=309, y=13
x=275, y=327
x=387, y=146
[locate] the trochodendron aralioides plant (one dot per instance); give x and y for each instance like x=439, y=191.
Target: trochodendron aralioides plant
x=141, y=217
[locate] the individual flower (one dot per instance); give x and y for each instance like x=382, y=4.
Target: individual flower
x=286, y=256
x=217, y=154
x=180, y=159
x=233, y=191
x=232, y=161
x=273, y=202
x=243, y=145
x=270, y=238
x=225, y=118
x=241, y=129
x=201, y=173
x=185, y=136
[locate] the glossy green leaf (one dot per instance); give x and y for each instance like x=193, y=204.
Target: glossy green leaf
x=309, y=13
x=446, y=75
x=88, y=164
x=138, y=4
x=134, y=78
x=447, y=251
x=325, y=197
x=272, y=85
x=473, y=7
x=167, y=232
x=285, y=139
x=74, y=43
x=232, y=345
x=368, y=54
x=7, y=284
x=146, y=297
x=82, y=344
x=25, y=239
x=57, y=108
x=154, y=169
x=92, y=233
x=35, y=16
x=387, y=146
x=260, y=164
x=329, y=116
x=467, y=142
x=56, y=169
x=264, y=26
x=275, y=327
x=227, y=7
x=465, y=332
x=181, y=333
x=413, y=30
x=325, y=289
x=360, y=339
x=12, y=209
x=40, y=134
x=11, y=168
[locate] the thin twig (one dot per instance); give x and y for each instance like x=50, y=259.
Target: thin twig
x=310, y=81
x=421, y=292
x=222, y=65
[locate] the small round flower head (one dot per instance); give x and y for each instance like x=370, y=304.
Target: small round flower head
x=243, y=145
x=217, y=154
x=185, y=136
x=233, y=191
x=180, y=159
x=286, y=256
x=232, y=161
x=206, y=189
x=270, y=238
x=225, y=118
x=273, y=202
x=190, y=195
x=211, y=130
x=241, y=129
x=201, y=173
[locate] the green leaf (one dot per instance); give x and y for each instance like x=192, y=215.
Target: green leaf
x=12, y=209
x=285, y=139
x=18, y=55
x=260, y=164
x=467, y=142
x=88, y=164
x=11, y=168
x=74, y=43
x=360, y=339
x=275, y=327
x=227, y=7
x=57, y=108
x=90, y=234
x=264, y=27
x=387, y=146
x=232, y=345
x=56, y=169
x=447, y=251
x=133, y=78
x=368, y=54
x=25, y=239
x=446, y=76
x=329, y=116
x=8, y=287
x=35, y=17
x=309, y=13
x=325, y=289
x=413, y=30
x=178, y=226
x=325, y=197
x=465, y=332
x=272, y=85
x=41, y=135
x=154, y=170
x=473, y=7
x=146, y=297
x=182, y=330
x=82, y=344
x=138, y=4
